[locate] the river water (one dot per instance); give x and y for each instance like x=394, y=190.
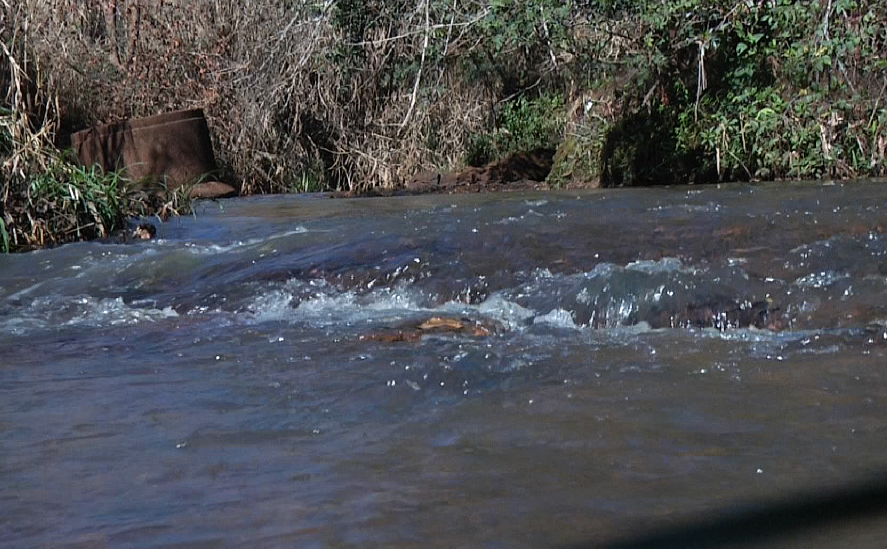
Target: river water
x=501, y=370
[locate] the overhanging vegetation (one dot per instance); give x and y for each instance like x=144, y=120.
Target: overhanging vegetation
x=358, y=94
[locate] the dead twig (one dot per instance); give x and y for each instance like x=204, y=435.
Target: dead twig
x=406, y=117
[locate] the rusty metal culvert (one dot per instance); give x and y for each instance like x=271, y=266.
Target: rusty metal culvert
x=174, y=148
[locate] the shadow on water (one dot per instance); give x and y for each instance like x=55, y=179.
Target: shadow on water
x=765, y=523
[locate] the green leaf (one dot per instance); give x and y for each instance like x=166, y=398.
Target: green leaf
x=5, y=236
x=766, y=112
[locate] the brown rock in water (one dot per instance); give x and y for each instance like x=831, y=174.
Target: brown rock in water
x=435, y=325
x=145, y=231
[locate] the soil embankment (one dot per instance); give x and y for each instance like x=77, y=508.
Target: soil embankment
x=516, y=172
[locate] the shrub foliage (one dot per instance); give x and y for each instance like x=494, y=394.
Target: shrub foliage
x=352, y=94
x=45, y=196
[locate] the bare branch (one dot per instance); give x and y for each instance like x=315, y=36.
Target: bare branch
x=428, y=28
x=421, y=66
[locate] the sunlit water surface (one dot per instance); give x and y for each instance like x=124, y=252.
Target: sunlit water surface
x=240, y=381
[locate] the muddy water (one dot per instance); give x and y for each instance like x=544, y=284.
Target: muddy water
x=611, y=363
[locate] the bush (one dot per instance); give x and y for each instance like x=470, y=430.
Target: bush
x=761, y=90
x=45, y=196
x=522, y=125
x=356, y=94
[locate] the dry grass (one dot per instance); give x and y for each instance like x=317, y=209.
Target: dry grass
x=297, y=98
x=45, y=196
x=262, y=71
x=30, y=122
x=291, y=101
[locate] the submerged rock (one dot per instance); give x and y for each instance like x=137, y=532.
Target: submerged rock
x=723, y=316
x=145, y=231
x=142, y=231
x=719, y=315
x=435, y=325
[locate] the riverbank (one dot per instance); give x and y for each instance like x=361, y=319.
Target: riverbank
x=363, y=97
x=58, y=201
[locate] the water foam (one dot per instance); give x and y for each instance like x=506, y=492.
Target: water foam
x=214, y=249
x=79, y=311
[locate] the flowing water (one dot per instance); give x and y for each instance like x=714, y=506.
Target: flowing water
x=500, y=370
